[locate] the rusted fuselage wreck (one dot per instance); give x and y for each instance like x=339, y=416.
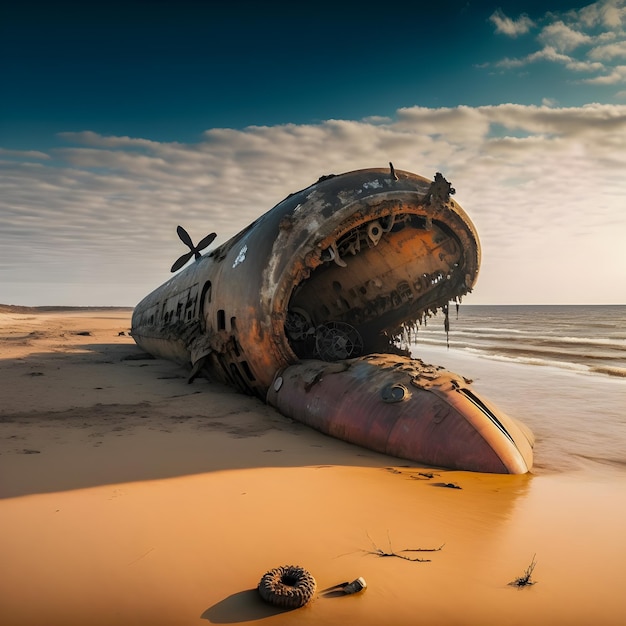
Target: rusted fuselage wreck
x=305, y=307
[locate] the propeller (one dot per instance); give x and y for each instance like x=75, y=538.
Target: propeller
x=193, y=250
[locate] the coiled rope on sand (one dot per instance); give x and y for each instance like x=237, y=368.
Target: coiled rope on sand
x=289, y=586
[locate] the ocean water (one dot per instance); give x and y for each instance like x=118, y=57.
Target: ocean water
x=559, y=369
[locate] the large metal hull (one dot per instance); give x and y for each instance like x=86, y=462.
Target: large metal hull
x=404, y=408
x=341, y=269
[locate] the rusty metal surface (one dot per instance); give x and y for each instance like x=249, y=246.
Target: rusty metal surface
x=315, y=251
x=341, y=269
x=404, y=408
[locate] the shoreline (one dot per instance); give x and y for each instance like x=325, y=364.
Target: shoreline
x=22, y=310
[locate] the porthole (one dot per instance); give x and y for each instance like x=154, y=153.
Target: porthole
x=394, y=392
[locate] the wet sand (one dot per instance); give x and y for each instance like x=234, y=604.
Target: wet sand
x=128, y=496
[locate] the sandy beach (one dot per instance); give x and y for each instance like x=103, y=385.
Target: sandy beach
x=128, y=496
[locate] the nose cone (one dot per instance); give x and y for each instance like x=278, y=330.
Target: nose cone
x=404, y=408
x=450, y=426
x=508, y=440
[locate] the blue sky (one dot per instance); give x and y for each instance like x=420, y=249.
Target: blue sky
x=119, y=121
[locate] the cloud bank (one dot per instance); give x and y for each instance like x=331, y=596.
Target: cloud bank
x=94, y=222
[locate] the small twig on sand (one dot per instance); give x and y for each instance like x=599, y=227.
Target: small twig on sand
x=378, y=552
x=424, y=476
x=526, y=579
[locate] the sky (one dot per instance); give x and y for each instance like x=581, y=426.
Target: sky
x=119, y=121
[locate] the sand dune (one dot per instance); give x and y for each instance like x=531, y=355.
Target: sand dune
x=128, y=496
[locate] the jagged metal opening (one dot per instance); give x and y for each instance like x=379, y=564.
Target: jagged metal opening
x=374, y=281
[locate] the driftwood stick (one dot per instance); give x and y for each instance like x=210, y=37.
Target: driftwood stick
x=379, y=552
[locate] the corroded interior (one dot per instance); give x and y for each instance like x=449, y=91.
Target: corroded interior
x=374, y=281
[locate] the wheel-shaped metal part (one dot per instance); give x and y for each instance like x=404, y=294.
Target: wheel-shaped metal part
x=298, y=324
x=337, y=340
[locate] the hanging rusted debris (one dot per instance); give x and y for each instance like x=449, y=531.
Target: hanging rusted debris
x=330, y=277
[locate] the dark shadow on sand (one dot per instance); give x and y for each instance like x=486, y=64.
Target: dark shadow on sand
x=243, y=606
x=114, y=394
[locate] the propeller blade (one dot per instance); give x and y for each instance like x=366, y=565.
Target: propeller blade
x=181, y=261
x=193, y=250
x=184, y=237
x=206, y=241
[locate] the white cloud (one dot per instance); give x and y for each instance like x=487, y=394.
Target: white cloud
x=533, y=178
x=609, y=14
x=23, y=154
x=617, y=75
x=584, y=66
x=511, y=27
x=89, y=138
x=377, y=119
x=589, y=39
x=609, y=52
x=561, y=37
x=546, y=54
